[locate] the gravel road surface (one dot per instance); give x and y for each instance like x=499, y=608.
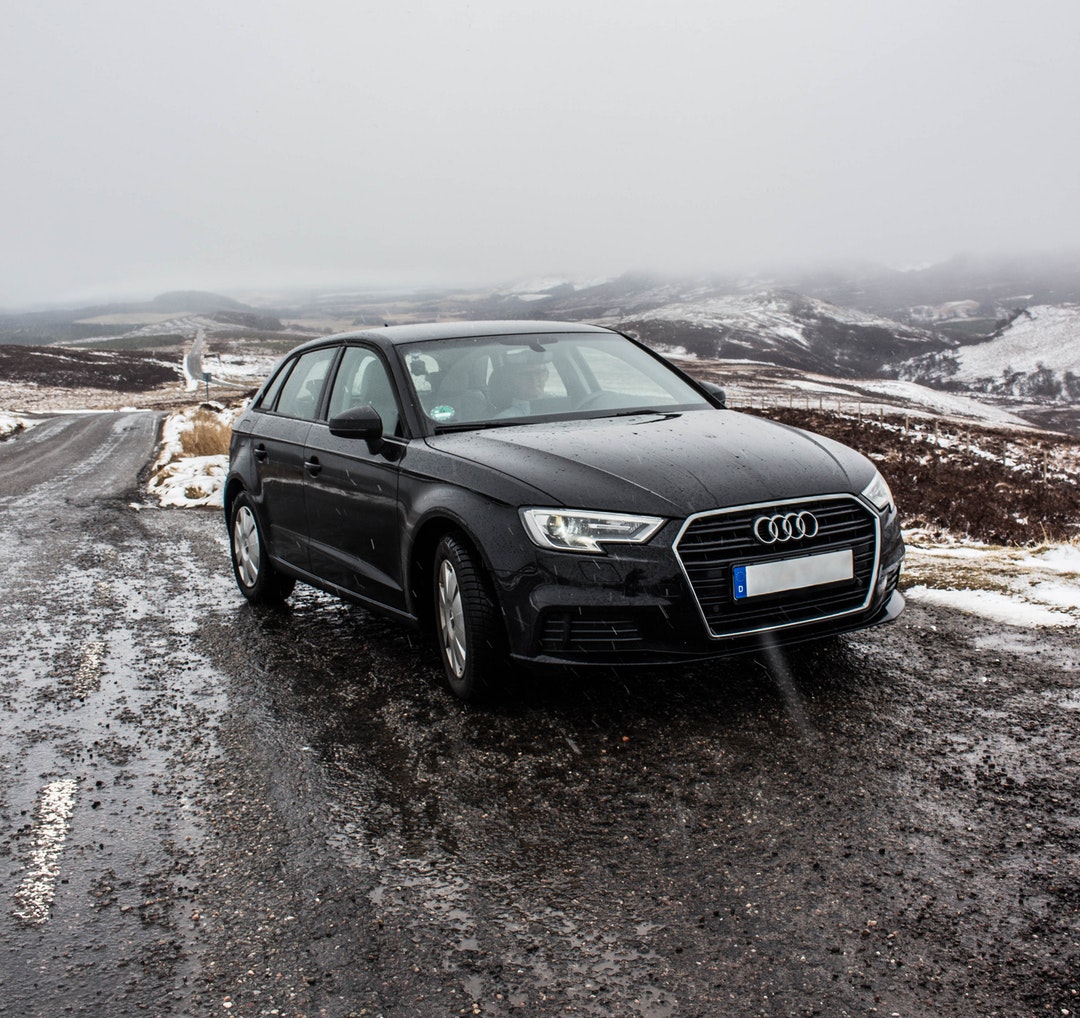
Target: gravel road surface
x=209, y=809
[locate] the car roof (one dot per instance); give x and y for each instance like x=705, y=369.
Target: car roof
x=393, y=335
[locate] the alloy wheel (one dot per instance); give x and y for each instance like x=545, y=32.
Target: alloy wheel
x=451, y=618
x=246, y=548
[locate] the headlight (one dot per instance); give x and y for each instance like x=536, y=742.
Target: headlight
x=574, y=530
x=877, y=492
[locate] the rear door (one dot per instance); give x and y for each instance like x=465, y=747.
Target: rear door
x=278, y=447
x=351, y=486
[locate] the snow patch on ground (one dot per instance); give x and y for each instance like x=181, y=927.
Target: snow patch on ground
x=191, y=481
x=993, y=606
x=9, y=424
x=753, y=383
x=1014, y=586
x=944, y=403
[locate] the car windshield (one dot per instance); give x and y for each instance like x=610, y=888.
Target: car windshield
x=496, y=380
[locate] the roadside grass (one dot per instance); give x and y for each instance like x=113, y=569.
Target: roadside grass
x=208, y=435
x=191, y=464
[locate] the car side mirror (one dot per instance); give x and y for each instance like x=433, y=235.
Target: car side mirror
x=357, y=422
x=718, y=396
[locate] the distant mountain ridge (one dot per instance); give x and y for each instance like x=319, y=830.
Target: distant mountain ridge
x=785, y=328
x=1003, y=327
x=65, y=325
x=190, y=301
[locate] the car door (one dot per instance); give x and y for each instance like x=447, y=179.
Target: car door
x=278, y=444
x=351, y=486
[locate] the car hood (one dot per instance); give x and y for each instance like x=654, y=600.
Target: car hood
x=664, y=464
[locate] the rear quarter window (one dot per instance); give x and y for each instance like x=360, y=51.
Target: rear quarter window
x=270, y=393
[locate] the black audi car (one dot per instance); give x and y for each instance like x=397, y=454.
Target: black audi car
x=550, y=494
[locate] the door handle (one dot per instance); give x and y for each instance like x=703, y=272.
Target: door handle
x=260, y=452
x=313, y=465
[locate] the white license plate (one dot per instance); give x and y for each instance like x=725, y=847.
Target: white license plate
x=792, y=573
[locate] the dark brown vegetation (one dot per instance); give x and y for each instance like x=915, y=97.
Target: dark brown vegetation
x=989, y=484
x=65, y=367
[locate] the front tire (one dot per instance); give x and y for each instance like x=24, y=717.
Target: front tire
x=472, y=644
x=256, y=576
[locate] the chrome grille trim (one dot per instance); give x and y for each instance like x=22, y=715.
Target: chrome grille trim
x=710, y=543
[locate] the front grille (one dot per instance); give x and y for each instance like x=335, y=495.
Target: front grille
x=564, y=632
x=712, y=544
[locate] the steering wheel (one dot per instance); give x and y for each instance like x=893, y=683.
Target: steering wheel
x=592, y=401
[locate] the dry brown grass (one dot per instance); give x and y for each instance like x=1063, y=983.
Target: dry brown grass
x=207, y=436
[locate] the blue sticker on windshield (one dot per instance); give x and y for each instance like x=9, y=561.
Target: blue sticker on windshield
x=738, y=575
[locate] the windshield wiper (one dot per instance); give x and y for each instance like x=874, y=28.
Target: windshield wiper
x=442, y=429
x=646, y=410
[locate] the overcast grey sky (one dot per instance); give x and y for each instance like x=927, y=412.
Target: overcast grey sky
x=234, y=143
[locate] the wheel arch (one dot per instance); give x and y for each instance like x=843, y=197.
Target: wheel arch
x=233, y=487
x=422, y=557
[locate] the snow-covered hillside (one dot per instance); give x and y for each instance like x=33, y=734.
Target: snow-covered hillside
x=1046, y=336
x=1036, y=355
x=783, y=327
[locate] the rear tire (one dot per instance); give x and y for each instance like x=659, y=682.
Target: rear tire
x=468, y=628
x=256, y=576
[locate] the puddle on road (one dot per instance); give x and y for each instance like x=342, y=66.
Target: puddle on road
x=88, y=674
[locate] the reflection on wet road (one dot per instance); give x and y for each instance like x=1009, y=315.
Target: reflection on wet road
x=213, y=809
x=780, y=832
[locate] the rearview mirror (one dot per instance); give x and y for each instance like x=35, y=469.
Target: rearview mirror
x=357, y=422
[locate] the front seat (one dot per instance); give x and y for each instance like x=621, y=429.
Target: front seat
x=376, y=390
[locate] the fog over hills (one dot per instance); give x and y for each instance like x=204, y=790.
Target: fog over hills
x=998, y=328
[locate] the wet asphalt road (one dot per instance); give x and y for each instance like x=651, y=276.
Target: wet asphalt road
x=213, y=810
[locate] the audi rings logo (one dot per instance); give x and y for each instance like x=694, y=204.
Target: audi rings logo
x=785, y=527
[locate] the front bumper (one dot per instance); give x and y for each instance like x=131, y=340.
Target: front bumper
x=636, y=605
